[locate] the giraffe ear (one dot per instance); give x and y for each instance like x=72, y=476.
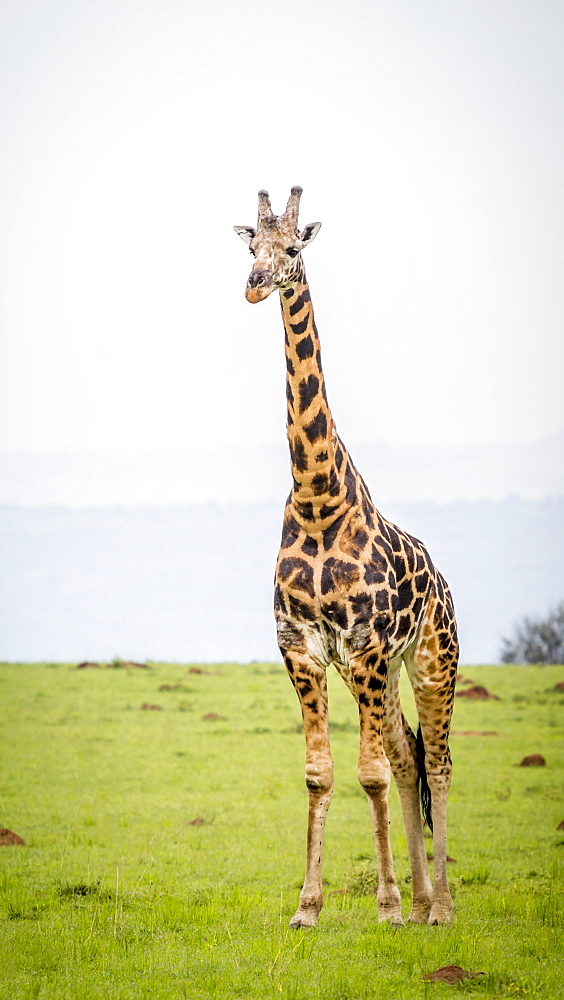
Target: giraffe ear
x=309, y=233
x=247, y=233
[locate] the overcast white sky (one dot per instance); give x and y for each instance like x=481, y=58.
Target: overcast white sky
x=427, y=136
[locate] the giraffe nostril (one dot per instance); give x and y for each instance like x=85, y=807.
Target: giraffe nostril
x=259, y=279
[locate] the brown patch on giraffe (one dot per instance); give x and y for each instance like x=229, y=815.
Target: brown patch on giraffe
x=148, y=707
x=477, y=693
x=214, y=717
x=450, y=974
x=10, y=839
x=533, y=760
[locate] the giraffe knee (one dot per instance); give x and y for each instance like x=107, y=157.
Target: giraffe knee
x=319, y=777
x=374, y=776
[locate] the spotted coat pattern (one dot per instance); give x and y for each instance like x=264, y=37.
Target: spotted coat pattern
x=354, y=591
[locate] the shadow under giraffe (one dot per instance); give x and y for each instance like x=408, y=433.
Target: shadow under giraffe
x=354, y=590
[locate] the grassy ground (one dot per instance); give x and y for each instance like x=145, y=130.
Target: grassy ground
x=119, y=893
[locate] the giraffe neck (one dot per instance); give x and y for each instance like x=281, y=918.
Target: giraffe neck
x=319, y=494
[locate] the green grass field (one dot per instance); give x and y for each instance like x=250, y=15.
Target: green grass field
x=164, y=851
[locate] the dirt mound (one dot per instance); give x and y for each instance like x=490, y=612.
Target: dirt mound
x=450, y=974
x=170, y=687
x=8, y=837
x=114, y=664
x=211, y=716
x=560, y=825
x=559, y=686
x=460, y=679
x=200, y=670
x=473, y=732
x=533, y=760
x=196, y=822
x=147, y=707
x=477, y=693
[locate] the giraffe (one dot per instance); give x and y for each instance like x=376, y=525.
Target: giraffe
x=355, y=591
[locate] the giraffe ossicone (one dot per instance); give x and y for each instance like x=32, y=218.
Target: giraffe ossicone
x=354, y=591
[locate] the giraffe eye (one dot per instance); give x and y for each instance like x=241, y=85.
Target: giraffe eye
x=292, y=252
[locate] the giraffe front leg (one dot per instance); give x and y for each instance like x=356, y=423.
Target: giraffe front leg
x=369, y=671
x=311, y=685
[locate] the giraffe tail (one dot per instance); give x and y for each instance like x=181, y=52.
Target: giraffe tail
x=424, y=790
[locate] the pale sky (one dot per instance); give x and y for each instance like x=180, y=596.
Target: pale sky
x=428, y=138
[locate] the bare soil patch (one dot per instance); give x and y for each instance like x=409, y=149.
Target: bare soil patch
x=148, y=707
x=213, y=716
x=9, y=838
x=199, y=821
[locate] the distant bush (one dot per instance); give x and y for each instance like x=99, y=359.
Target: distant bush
x=537, y=640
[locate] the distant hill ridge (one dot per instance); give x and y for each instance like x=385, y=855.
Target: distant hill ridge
x=194, y=583
x=393, y=473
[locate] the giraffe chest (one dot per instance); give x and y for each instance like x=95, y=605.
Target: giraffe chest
x=332, y=604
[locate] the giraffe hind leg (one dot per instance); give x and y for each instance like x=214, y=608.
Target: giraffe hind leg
x=401, y=749
x=431, y=665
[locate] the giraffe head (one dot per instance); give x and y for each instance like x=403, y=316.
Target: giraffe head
x=276, y=245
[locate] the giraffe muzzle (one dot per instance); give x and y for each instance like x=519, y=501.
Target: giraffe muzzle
x=259, y=286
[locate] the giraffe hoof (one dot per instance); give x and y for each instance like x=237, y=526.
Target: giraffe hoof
x=304, y=918
x=420, y=913
x=393, y=921
x=440, y=913
x=393, y=917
